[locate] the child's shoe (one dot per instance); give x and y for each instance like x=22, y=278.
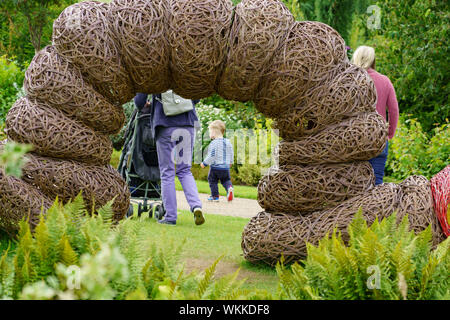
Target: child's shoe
x=230, y=194
x=214, y=199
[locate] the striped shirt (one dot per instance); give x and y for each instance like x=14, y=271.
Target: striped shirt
x=220, y=154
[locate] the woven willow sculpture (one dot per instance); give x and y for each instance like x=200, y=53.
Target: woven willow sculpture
x=19, y=200
x=52, y=79
x=302, y=189
x=81, y=35
x=358, y=138
x=416, y=201
x=350, y=92
x=269, y=235
x=66, y=179
x=297, y=72
x=311, y=52
x=198, y=32
x=54, y=134
x=259, y=28
x=140, y=29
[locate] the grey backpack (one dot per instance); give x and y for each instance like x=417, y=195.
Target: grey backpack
x=174, y=104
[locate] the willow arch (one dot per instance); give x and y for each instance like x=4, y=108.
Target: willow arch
x=103, y=54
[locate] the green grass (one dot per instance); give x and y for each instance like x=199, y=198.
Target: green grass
x=247, y=192
x=220, y=235
x=391, y=179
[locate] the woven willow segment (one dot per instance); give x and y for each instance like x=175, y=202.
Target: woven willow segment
x=52, y=79
x=358, y=138
x=198, y=32
x=310, y=53
x=259, y=28
x=81, y=35
x=19, y=200
x=416, y=201
x=269, y=235
x=65, y=179
x=349, y=92
x=53, y=134
x=140, y=29
x=303, y=189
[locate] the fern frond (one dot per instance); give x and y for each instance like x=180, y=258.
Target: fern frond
x=207, y=279
x=106, y=212
x=68, y=256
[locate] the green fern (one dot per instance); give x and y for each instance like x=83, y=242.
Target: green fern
x=6, y=276
x=207, y=279
x=404, y=265
x=68, y=255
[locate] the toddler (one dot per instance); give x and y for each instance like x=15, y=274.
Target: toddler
x=220, y=158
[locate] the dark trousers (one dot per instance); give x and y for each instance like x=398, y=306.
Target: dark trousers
x=378, y=163
x=216, y=175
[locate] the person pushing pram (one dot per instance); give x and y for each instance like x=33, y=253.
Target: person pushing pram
x=173, y=119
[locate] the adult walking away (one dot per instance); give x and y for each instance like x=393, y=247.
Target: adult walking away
x=174, y=133
x=364, y=57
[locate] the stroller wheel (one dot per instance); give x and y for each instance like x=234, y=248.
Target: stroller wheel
x=152, y=209
x=158, y=211
x=141, y=209
x=130, y=211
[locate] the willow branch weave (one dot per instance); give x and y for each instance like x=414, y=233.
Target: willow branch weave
x=53, y=134
x=56, y=82
x=311, y=52
x=303, y=189
x=270, y=235
x=258, y=30
x=350, y=92
x=81, y=35
x=358, y=138
x=140, y=30
x=19, y=200
x=66, y=179
x=198, y=32
x=416, y=201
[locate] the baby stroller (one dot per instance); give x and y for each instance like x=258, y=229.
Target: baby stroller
x=138, y=165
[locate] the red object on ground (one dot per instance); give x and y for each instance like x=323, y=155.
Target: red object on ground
x=440, y=189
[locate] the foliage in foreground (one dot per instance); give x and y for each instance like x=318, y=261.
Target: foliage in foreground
x=12, y=158
x=75, y=255
x=384, y=261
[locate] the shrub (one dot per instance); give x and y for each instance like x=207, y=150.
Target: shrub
x=411, y=151
x=11, y=80
x=412, y=49
x=249, y=174
x=384, y=261
x=11, y=158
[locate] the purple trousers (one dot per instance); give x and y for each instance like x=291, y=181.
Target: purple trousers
x=174, y=146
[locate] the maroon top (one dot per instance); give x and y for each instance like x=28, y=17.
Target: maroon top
x=385, y=97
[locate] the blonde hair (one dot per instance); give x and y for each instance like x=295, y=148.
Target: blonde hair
x=364, y=57
x=217, y=127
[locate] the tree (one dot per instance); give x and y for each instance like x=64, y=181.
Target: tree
x=26, y=26
x=336, y=13
x=412, y=49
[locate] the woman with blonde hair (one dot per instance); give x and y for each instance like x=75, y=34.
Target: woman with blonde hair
x=364, y=57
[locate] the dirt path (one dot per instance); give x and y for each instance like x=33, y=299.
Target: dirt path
x=239, y=207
